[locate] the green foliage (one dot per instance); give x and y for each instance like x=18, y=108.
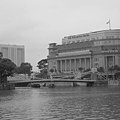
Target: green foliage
x=116, y=70
x=100, y=69
x=42, y=75
x=43, y=66
x=51, y=70
x=6, y=68
x=25, y=68
x=1, y=55
x=111, y=69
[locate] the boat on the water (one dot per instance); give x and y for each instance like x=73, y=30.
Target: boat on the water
x=51, y=85
x=35, y=85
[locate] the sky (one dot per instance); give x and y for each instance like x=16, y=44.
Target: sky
x=36, y=23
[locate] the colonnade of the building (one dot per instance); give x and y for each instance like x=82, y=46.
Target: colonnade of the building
x=109, y=61
x=71, y=65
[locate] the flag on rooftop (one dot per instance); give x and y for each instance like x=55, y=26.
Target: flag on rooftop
x=108, y=22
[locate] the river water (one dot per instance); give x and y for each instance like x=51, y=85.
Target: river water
x=71, y=103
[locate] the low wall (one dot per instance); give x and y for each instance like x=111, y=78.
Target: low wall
x=7, y=86
x=81, y=83
x=101, y=83
x=60, y=83
x=113, y=82
x=67, y=84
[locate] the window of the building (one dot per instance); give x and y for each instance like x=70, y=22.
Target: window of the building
x=96, y=59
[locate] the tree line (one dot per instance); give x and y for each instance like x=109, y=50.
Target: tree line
x=8, y=68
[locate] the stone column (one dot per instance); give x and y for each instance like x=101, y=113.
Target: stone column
x=57, y=62
x=85, y=63
x=75, y=63
x=90, y=63
x=105, y=62
x=61, y=65
x=113, y=61
x=65, y=65
x=80, y=62
x=70, y=65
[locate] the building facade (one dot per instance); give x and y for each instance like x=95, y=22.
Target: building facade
x=89, y=50
x=15, y=53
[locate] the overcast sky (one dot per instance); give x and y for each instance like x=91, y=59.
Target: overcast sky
x=36, y=23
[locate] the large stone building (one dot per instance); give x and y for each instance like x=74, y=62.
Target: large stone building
x=89, y=50
x=16, y=53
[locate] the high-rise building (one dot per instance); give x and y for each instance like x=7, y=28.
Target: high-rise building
x=16, y=53
x=88, y=50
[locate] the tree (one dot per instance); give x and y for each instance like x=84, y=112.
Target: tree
x=117, y=68
x=25, y=68
x=51, y=70
x=113, y=70
x=43, y=66
x=100, y=69
x=117, y=71
x=6, y=69
x=1, y=55
x=100, y=76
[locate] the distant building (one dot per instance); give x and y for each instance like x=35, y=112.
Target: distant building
x=89, y=50
x=16, y=53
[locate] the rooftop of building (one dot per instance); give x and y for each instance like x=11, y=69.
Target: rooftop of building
x=94, y=32
x=9, y=45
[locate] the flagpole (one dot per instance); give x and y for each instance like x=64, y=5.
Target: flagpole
x=109, y=25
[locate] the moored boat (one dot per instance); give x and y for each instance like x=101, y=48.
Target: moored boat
x=35, y=85
x=51, y=85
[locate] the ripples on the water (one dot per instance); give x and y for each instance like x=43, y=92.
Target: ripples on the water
x=79, y=103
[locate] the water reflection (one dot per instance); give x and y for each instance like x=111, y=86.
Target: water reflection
x=79, y=103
